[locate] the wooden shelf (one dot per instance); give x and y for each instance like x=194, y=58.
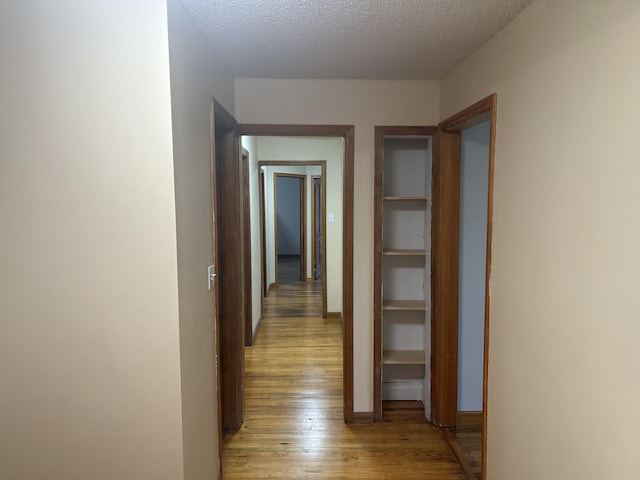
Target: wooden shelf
x=404, y=252
x=403, y=357
x=403, y=305
x=404, y=199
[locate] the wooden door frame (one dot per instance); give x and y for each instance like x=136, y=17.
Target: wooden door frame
x=445, y=306
x=229, y=323
x=246, y=241
x=347, y=133
x=323, y=172
x=263, y=241
x=323, y=220
x=380, y=133
x=303, y=220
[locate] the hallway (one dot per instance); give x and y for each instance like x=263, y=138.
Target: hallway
x=294, y=425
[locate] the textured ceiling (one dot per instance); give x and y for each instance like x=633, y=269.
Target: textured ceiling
x=374, y=39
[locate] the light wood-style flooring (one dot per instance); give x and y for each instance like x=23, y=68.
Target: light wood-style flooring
x=294, y=427
x=288, y=269
x=466, y=440
x=301, y=299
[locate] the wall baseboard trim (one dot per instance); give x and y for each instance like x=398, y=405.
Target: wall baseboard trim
x=271, y=285
x=406, y=390
x=362, y=418
x=470, y=416
x=334, y=314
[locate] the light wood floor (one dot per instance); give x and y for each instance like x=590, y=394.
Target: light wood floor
x=301, y=299
x=288, y=269
x=294, y=427
x=468, y=437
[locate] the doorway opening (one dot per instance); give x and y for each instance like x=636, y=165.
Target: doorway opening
x=339, y=302
x=461, y=269
x=290, y=207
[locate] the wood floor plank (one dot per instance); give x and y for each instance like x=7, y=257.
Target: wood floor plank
x=294, y=425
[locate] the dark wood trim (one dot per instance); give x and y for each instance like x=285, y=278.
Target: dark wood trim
x=216, y=283
x=271, y=285
x=323, y=214
x=347, y=272
x=229, y=230
x=333, y=315
x=246, y=235
x=469, y=417
x=485, y=109
x=362, y=418
x=303, y=228
x=487, y=295
x=323, y=169
x=291, y=163
x=275, y=229
x=285, y=130
x=377, y=272
x=380, y=133
x=445, y=227
x=263, y=239
x=313, y=225
x=325, y=292
x=346, y=132
x=471, y=116
x=457, y=451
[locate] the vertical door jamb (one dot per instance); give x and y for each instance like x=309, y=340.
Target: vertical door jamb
x=485, y=109
x=246, y=240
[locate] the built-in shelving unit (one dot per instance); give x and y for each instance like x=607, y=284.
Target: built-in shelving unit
x=403, y=357
x=402, y=267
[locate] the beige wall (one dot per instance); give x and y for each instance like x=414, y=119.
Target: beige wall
x=563, y=375
x=306, y=149
x=89, y=353
x=363, y=103
x=195, y=77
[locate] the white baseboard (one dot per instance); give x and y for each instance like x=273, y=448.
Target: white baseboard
x=402, y=390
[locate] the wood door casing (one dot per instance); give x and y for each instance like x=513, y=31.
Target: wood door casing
x=347, y=132
x=323, y=173
x=481, y=111
x=317, y=230
x=246, y=256
x=445, y=226
x=263, y=240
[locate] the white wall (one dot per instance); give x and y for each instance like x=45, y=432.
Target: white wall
x=251, y=145
x=288, y=211
x=195, y=77
x=89, y=352
x=363, y=103
x=308, y=149
x=474, y=187
x=564, y=330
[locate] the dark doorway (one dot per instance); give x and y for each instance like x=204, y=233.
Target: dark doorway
x=290, y=227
